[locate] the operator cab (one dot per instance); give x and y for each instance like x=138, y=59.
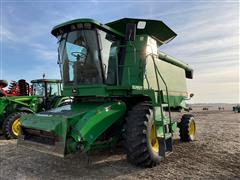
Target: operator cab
x=46, y=87
x=85, y=53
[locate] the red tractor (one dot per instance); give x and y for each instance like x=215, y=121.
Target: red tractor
x=20, y=88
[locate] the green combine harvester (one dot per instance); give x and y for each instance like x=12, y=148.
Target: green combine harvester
x=236, y=109
x=45, y=95
x=124, y=90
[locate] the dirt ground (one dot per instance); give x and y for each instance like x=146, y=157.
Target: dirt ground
x=214, y=155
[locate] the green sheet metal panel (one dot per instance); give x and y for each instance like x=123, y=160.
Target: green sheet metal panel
x=173, y=76
x=176, y=62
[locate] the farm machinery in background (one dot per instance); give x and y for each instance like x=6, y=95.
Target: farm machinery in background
x=21, y=98
x=236, y=109
x=20, y=88
x=124, y=89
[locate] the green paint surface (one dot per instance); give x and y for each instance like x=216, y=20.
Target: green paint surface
x=139, y=76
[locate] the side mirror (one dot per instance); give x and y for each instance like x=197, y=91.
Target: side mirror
x=130, y=32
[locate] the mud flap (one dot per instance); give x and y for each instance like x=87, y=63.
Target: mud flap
x=169, y=144
x=162, y=145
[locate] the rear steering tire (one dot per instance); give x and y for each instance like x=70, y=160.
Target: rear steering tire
x=3, y=83
x=187, y=128
x=140, y=140
x=11, y=126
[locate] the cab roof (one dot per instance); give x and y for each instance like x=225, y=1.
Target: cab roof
x=157, y=29
x=84, y=22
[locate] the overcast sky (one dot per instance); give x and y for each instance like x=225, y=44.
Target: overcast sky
x=208, y=38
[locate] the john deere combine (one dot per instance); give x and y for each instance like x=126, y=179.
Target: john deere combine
x=124, y=90
x=46, y=94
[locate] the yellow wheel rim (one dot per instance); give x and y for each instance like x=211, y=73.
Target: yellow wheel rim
x=153, y=139
x=192, y=129
x=16, y=127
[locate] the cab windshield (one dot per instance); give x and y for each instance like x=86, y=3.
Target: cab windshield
x=38, y=89
x=84, y=57
x=79, y=58
x=53, y=89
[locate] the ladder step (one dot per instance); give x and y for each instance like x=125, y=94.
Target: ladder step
x=168, y=135
x=166, y=121
x=164, y=105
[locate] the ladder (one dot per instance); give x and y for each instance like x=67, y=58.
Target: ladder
x=165, y=142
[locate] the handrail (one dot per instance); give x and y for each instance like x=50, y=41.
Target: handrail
x=145, y=76
x=169, y=110
x=158, y=72
x=159, y=96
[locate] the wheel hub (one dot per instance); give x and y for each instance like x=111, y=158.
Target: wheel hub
x=153, y=139
x=16, y=127
x=192, y=129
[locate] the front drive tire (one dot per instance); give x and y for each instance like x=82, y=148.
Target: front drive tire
x=11, y=126
x=187, y=128
x=140, y=140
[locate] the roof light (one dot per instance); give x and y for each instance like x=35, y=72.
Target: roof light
x=141, y=24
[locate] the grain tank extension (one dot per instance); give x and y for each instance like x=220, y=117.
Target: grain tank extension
x=124, y=90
